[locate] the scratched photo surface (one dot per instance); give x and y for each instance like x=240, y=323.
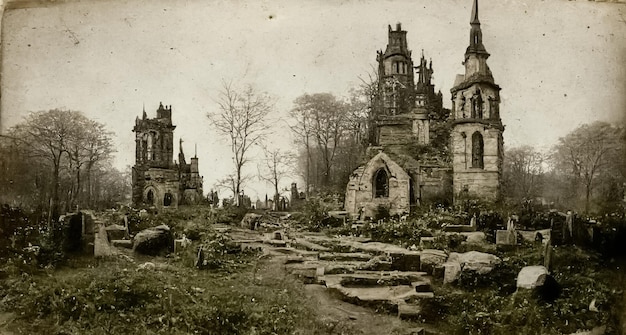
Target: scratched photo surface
x=559, y=63
x=387, y=167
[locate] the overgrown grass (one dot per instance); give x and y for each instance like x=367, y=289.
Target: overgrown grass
x=116, y=297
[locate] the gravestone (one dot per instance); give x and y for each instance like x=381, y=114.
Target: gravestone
x=506, y=237
x=547, y=255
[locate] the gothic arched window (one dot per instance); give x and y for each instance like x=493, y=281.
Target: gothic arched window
x=381, y=184
x=477, y=106
x=150, y=197
x=478, y=150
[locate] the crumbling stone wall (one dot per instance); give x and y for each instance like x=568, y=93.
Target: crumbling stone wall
x=360, y=196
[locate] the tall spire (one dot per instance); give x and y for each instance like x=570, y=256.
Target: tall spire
x=476, y=36
x=144, y=115
x=474, y=19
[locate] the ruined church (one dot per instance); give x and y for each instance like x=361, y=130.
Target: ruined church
x=158, y=180
x=404, y=168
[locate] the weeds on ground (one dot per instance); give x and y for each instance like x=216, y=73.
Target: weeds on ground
x=490, y=304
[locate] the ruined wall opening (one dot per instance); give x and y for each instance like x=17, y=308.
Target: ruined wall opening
x=74, y=233
x=478, y=150
x=167, y=199
x=150, y=197
x=381, y=184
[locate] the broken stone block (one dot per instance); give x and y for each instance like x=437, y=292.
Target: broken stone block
x=409, y=311
x=181, y=243
x=348, y=256
x=250, y=221
x=477, y=237
x=122, y=244
x=153, y=241
x=506, y=237
x=459, y=228
x=101, y=247
x=422, y=286
x=405, y=261
x=479, y=262
x=427, y=241
x=531, y=277
x=276, y=243
x=278, y=235
x=294, y=259
x=452, y=271
x=116, y=232
x=432, y=258
x=378, y=263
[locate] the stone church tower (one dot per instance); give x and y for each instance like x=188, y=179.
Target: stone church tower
x=157, y=180
x=476, y=141
x=394, y=174
x=399, y=115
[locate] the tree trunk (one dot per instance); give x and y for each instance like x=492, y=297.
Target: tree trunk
x=89, y=191
x=308, y=167
x=54, y=200
x=587, y=197
x=77, y=199
x=276, y=197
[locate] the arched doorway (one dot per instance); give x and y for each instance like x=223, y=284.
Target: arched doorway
x=381, y=184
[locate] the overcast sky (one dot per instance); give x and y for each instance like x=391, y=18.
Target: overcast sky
x=560, y=63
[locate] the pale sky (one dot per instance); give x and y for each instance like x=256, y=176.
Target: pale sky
x=560, y=63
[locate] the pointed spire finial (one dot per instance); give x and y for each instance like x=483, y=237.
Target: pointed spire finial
x=474, y=19
x=195, y=150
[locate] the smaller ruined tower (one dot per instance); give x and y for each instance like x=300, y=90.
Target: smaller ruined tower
x=154, y=151
x=395, y=73
x=154, y=139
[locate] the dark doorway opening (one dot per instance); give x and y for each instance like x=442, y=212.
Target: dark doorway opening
x=167, y=199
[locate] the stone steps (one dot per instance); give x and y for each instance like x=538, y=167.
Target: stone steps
x=377, y=275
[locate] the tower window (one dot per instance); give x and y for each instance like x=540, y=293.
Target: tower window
x=167, y=199
x=478, y=151
x=399, y=67
x=381, y=184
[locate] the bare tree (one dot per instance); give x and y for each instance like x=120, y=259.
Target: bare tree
x=227, y=183
x=303, y=130
x=275, y=166
x=46, y=135
x=522, y=171
x=325, y=119
x=587, y=152
x=88, y=144
x=242, y=117
x=62, y=142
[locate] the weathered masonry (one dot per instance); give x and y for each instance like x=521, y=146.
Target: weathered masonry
x=401, y=170
x=157, y=179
